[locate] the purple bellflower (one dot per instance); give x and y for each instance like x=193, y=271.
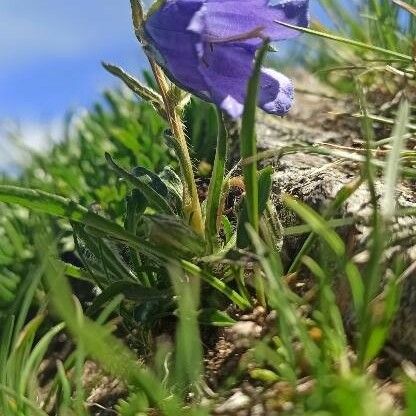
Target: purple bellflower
x=208, y=47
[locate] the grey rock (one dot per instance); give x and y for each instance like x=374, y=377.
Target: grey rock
x=316, y=179
x=238, y=401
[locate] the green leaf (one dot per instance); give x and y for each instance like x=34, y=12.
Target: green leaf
x=248, y=143
x=342, y=195
x=63, y=207
x=393, y=167
x=131, y=291
x=228, y=229
x=188, y=352
x=216, y=283
x=271, y=229
x=43, y=202
x=281, y=298
x=264, y=178
x=213, y=208
x=173, y=235
x=15, y=238
x=355, y=280
x=136, y=404
x=265, y=187
x=174, y=185
x=214, y=317
x=151, y=179
x=351, y=42
x=153, y=189
x=76, y=272
x=101, y=256
x=317, y=224
x=33, y=362
x=383, y=311
x=138, y=88
x=410, y=397
x=136, y=205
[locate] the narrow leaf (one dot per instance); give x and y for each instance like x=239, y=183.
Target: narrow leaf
x=393, y=167
x=317, y=223
x=155, y=200
x=137, y=87
x=248, y=144
x=213, y=214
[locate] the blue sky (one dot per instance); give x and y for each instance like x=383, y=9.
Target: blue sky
x=50, y=53
x=50, y=59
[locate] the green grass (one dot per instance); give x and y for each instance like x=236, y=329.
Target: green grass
x=104, y=207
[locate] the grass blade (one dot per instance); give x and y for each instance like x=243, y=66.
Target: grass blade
x=213, y=209
x=188, y=355
x=393, y=167
x=346, y=41
x=248, y=144
x=317, y=223
x=345, y=192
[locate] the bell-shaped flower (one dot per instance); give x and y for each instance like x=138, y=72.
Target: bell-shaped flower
x=208, y=48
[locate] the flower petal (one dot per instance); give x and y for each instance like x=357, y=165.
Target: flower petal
x=173, y=46
x=227, y=68
x=276, y=92
x=208, y=47
x=227, y=20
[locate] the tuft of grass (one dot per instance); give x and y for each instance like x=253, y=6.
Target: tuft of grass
x=381, y=34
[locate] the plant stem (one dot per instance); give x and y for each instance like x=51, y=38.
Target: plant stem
x=191, y=205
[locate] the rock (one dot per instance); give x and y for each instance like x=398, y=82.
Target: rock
x=315, y=179
x=103, y=390
x=244, y=330
x=238, y=401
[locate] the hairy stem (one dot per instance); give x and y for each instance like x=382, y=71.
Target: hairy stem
x=191, y=205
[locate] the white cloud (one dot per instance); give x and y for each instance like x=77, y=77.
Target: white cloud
x=19, y=140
